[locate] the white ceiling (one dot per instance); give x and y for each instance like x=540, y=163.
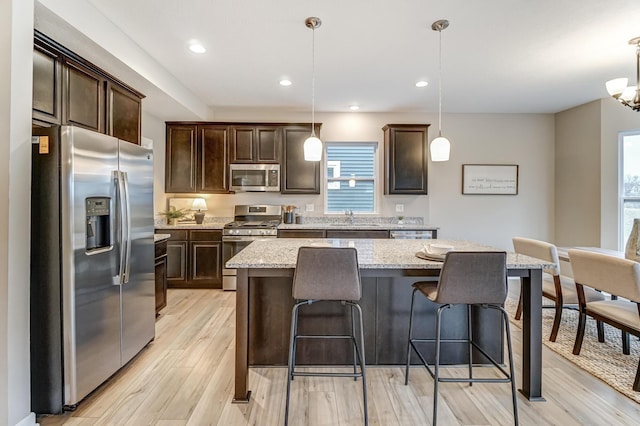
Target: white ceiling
x=502, y=56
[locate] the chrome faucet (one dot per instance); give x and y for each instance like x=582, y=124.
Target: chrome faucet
x=349, y=214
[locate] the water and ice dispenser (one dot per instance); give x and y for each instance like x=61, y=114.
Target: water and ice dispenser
x=98, y=223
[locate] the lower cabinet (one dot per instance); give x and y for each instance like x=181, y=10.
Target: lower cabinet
x=161, y=275
x=333, y=233
x=194, y=258
x=301, y=233
x=355, y=234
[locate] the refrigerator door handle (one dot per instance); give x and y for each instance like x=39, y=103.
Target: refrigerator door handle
x=127, y=223
x=120, y=225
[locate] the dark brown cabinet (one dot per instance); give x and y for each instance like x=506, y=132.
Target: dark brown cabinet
x=82, y=97
x=333, y=233
x=124, y=112
x=196, y=158
x=298, y=176
x=205, y=251
x=406, y=158
x=69, y=90
x=300, y=233
x=161, y=275
x=255, y=144
x=194, y=259
x=212, y=159
x=180, y=158
x=47, y=85
x=356, y=234
x=177, y=258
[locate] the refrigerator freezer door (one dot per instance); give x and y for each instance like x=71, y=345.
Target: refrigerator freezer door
x=138, y=293
x=91, y=301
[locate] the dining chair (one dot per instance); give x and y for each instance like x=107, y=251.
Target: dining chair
x=474, y=279
x=329, y=275
x=561, y=290
x=614, y=275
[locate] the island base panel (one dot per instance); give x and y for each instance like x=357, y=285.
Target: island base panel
x=385, y=304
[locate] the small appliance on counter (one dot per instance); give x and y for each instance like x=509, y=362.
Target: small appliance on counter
x=250, y=222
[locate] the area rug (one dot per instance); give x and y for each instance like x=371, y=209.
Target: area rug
x=603, y=360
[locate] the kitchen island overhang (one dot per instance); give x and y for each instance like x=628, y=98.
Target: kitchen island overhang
x=388, y=268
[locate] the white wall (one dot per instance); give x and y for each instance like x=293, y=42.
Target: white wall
x=154, y=128
x=616, y=118
x=16, y=57
x=587, y=167
x=523, y=139
x=578, y=176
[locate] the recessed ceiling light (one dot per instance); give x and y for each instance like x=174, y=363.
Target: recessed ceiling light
x=354, y=107
x=285, y=82
x=422, y=83
x=196, y=47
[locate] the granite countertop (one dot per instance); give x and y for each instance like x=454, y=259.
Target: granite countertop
x=281, y=253
x=212, y=225
x=356, y=226
x=160, y=237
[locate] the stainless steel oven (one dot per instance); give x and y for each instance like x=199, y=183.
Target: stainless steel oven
x=251, y=222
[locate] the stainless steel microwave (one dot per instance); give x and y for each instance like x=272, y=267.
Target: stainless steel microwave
x=255, y=177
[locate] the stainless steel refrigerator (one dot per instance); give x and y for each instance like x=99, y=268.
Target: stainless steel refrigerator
x=92, y=262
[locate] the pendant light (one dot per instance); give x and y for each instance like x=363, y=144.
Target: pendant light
x=313, y=145
x=440, y=146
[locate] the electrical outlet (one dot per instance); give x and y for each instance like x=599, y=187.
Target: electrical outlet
x=309, y=207
x=399, y=208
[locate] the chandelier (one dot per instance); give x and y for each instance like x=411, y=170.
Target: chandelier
x=627, y=95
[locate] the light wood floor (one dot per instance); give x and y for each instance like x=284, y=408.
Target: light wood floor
x=185, y=376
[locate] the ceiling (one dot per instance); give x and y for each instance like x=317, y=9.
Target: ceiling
x=499, y=56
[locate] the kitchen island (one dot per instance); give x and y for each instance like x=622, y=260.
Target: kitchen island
x=388, y=268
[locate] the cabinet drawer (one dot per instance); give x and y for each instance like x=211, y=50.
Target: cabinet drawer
x=177, y=235
x=202, y=235
x=357, y=234
x=161, y=248
x=301, y=233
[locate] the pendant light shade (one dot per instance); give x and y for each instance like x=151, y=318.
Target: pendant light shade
x=313, y=148
x=313, y=145
x=440, y=146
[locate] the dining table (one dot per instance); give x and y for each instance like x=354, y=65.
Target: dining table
x=388, y=268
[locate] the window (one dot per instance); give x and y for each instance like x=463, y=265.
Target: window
x=351, y=177
x=630, y=183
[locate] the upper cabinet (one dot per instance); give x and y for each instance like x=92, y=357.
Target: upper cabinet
x=83, y=97
x=213, y=159
x=298, y=176
x=255, y=144
x=124, y=112
x=199, y=153
x=69, y=90
x=47, y=85
x=197, y=158
x=180, y=158
x=406, y=158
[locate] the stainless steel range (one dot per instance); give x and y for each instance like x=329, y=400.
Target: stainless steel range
x=250, y=222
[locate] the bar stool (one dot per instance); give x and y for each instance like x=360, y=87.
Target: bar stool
x=327, y=274
x=473, y=279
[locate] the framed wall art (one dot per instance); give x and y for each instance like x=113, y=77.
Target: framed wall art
x=490, y=179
